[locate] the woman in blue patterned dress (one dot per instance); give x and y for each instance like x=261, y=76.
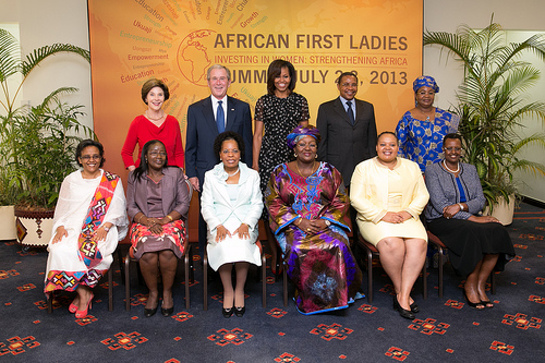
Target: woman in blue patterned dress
x=421, y=130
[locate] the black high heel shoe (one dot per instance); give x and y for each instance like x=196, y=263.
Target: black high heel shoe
x=227, y=313
x=478, y=305
x=414, y=308
x=407, y=314
x=240, y=311
x=167, y=312
x=150, y=312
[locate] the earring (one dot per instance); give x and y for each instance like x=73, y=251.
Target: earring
x=315, y=156
x=295, y=154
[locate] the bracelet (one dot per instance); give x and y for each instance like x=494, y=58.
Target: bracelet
x=461, y=206
x=169, y=217
x=300, y=219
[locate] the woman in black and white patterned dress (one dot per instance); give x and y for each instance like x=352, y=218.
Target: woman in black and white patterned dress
x=276, y=114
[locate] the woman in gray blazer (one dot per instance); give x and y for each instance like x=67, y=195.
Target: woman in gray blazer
x=158, y=201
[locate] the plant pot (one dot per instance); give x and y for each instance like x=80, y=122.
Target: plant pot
x=7, y=223
x=33, y=227
x=503, y=211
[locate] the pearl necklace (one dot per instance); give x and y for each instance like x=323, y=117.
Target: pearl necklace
x=452, y=171
x=234, y=173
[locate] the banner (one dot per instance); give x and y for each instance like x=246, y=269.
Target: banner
x=176, y=41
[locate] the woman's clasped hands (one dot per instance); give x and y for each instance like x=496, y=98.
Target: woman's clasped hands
x=312, y=226
x=396, y=217
x=243, y=232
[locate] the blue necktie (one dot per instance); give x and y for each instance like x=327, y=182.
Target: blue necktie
x=220, y=118
x=350, y=112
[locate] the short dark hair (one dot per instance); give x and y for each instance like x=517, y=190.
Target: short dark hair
x=452, y=135
x=389, y=133
x=154, y=82
x=143, y=167
x=228, y=135
x=275, y=68
x=86, y=143
x=346, y=74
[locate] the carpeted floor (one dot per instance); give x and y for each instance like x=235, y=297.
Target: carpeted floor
x=446, y=329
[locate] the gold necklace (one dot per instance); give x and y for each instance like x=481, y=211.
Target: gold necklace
x=299, y=171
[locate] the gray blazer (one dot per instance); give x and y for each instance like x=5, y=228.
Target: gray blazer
x=175, y=193
x=444, y=191
x=345, y=145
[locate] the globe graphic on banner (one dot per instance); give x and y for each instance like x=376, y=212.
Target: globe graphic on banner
x=193, y=58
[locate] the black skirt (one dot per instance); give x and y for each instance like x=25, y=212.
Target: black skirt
x=469, y=241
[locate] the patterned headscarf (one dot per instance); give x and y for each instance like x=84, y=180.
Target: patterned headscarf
x=425, y=81
x=299, y=132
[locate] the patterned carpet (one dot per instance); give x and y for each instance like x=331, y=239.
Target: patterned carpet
x=446, y=329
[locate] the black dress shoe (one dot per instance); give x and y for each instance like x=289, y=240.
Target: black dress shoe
x=407, y=314
x=240, y=311
x=167, y=312
x=149, y=312
x=227, y=313
x=414, y=308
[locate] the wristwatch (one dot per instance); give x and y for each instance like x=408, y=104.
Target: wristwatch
x=461, y=206
x=327, y=223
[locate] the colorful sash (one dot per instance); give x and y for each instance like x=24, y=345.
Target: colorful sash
x=87, y=245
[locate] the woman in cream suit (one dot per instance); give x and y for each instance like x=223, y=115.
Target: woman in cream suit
x=389, y=193
x=231, y=206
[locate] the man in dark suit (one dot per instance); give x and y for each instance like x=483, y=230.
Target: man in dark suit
x=347, y=127
x=206, y=119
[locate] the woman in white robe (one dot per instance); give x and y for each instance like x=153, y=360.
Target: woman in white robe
x=78, y=256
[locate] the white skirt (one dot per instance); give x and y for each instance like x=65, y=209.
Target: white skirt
x=233, y=249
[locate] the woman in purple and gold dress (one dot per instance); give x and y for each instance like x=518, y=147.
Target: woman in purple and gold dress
x=307, y=204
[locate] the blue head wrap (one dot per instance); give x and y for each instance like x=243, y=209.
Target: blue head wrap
x=425, y=81
x=300, y=132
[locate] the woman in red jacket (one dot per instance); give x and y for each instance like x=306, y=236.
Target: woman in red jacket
x=154, y=124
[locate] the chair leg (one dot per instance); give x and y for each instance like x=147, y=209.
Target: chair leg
x=264, y=279
x=186, y=278
x=493, y=283
x=127, y=283
x=285, y=283
x=440, y=251
x=369, y=276
x=205, y=281
x=110, y=290
x=425, y=279
x=50, y=302
x=121, y=265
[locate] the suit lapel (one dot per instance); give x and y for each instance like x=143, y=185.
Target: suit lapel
x=231, y=114
x=339, y=108
x=208, y=115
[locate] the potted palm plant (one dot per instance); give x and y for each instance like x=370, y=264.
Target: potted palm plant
x=491, y=105
x=37, y=143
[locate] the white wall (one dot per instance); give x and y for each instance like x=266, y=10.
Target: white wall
x=45, y=22
x=443, y=15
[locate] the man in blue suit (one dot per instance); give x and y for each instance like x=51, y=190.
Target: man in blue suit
x=206, y=119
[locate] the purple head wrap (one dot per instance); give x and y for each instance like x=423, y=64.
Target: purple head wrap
x=425, y=81
x=300, y=132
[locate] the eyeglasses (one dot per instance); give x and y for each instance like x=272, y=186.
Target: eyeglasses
x=89, y=157
x=302, y=145
x=452, y=148
x=155, y=153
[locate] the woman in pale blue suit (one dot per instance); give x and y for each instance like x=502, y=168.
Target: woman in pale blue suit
x=231, y=206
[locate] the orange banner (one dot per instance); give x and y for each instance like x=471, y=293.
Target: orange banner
x=176, y=41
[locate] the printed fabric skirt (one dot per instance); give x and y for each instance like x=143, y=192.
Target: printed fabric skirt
x=323, y=269
x=172, y=238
